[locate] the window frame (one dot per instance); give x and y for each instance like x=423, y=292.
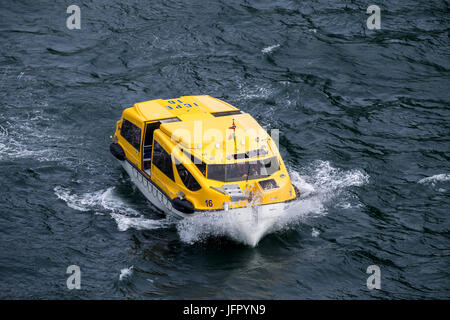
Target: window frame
x=261, y=165
x=130, y=134
x=179, y=165
x=156, y=146
x=200, y=165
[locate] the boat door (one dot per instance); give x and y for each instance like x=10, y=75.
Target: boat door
x=150, y=127
x=162, y=167
x=130, y=139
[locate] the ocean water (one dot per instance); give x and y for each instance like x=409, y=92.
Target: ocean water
x=364, y=130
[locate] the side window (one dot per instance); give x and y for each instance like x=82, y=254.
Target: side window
x=131, y=133
x=200, y=164
x=162, y=160
x=187, y=178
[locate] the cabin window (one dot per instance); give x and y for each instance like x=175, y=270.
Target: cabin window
x=187, y=178
x=198, y=163
x=162, y=160
x=201, y=166
x=243, y=170
x=131, y=133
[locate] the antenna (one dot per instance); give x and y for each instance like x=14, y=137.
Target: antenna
x=234, y=136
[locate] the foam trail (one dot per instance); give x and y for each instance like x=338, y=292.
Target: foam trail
x=270, y=49
x=325, y=185
x=319, y=186
x=254, y=92
x=437, y=182
x=84, y=202
x=18, y=136
x=106, y=201
x=436, y=178
x=125, y=273
x=315, y=233
x=242, y=228
x=139, y=223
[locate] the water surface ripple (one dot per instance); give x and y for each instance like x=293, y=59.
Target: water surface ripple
x=364, y=121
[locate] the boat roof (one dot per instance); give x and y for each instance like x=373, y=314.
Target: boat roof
x=215, y=142
x=162, y=109
x=203, y=126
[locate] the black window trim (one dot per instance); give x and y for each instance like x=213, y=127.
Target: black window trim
x=200, y=166
x=227, y=167
x=157, y=145
x=135, y=144
x=177, y=164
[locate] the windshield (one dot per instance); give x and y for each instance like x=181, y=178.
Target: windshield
x=243, y=170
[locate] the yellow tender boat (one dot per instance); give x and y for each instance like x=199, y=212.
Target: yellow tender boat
x=197, y=154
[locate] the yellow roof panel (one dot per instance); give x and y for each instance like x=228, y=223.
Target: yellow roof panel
x=163, y=109
x=211, y=104
x=195, y=116
x=212, y=139
x=152, y=110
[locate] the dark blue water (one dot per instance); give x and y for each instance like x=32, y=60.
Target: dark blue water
x=364, y=126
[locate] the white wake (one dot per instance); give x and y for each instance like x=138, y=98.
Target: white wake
x=319, y=186
x=439, y=182
x=108, y=202
x=436, y=178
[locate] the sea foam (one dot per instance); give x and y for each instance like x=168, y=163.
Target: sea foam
x=108, y=202
x=320, y=186
x=436, y=178
x=270, y=49
x=125, y=273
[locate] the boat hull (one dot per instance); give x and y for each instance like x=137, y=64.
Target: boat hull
x=163, y=203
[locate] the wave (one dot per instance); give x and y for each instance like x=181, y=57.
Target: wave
x=315, y=233
x=270, y=49
x=319, y=188
x=436, y=178
x=125, y=273
x=437, y=182
x=107, y=202
x=254, y=92
x=320, y=185
x=18, y=137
